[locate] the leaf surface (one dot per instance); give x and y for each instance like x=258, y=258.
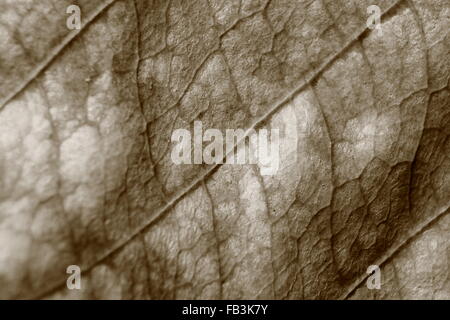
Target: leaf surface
x=86, y=176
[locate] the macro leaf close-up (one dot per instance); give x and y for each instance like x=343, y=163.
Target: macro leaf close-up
x=94, y=118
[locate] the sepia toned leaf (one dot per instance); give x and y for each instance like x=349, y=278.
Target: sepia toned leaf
x=87, y=179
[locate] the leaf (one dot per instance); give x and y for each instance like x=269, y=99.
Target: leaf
x=86, y=176
x=419, y=270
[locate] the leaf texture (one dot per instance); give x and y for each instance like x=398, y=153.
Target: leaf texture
x=86, y=176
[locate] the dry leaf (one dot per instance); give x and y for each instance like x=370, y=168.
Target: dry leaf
x=86, y=176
